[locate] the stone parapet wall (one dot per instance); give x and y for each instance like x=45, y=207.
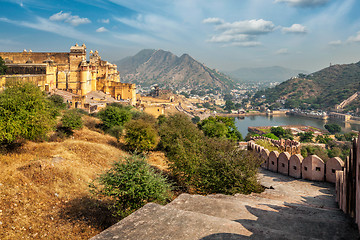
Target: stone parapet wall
x=348, y=183
x=291, y=146
x=311, y=168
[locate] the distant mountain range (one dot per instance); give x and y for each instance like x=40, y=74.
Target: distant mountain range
x=321, y=90
x=263, y=74
x=161, y=67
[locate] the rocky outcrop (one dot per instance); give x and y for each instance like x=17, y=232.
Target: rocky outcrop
x=170, y=71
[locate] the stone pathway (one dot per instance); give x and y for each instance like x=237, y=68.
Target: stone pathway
x=288, y=209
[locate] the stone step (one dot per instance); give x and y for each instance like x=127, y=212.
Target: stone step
x=154, y=221
x=256, y=213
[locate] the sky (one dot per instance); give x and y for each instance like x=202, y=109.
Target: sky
x=224, y=34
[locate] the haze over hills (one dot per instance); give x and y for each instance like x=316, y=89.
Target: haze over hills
x=320, y=90
x=161, y=67
x=263, y=74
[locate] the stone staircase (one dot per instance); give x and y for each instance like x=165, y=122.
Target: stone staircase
x=288, y=209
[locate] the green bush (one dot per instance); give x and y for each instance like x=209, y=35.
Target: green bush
x=206, y=165
x=2, y=66
x=113, y=116
x=140, y=135
x=130, y=185
x=58, y=101
x=333, y=128
x=220, y=127
x=116, y=131
x=271, y=135
x=25, y=113
x=227, y=169
x=306, y=136
x=72, y=120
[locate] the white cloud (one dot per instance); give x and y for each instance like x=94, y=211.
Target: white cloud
x=45, y=25
x=282, y=51
x=253, y=26
x=107, y=21
x=295, y=28
x=335, y=43
x=213, y=20
x=303, y=3
x=355, y=38
x=154, y=25
x=101, y=29
x=67, y=17
x=239, y=33
x=243, y=44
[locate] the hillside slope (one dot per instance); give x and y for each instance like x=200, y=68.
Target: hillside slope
x=44, y=187
x=161, y=67
x=322, y=90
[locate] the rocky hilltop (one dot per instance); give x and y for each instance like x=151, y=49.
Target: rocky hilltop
x=320, y=90
x=161, y=67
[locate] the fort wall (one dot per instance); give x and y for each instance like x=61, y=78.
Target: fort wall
x=294, y=165
x=68, y=71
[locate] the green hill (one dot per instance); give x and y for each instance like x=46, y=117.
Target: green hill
x=320, y=90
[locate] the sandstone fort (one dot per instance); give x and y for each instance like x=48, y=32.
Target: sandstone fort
x=68, y=71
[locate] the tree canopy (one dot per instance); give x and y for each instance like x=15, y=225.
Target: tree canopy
x=25, y=113
x=2, y=66
x=333, y=128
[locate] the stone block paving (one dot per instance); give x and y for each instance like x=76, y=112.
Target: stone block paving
x=288, y=209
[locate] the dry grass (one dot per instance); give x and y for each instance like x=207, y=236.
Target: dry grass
x=44, y=187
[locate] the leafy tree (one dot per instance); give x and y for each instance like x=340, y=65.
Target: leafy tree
x=271, y=135
x=229, y=105
x=215, y=129
x=306, y=136
x=195, y=119
x=116, y=131
x=228, y=97
x=141, y=135
x=25, y=113
x=72, y=120
x=220, y=127
x=333, y=128
x=350, y=136
x=227, y=169
x=207, y=105
x=130, y=185
x=206, y=165
x=136, y=115
x=113, y=116
x=58, y=101
x=2, y=66
x=282, y=133
x=161, y=119
x=323, y=139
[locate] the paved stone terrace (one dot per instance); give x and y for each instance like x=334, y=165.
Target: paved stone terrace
x=288, y=209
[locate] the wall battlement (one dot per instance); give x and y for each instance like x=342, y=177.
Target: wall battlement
x=311, y=168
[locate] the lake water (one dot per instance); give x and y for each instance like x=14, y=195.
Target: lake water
x=256, y=121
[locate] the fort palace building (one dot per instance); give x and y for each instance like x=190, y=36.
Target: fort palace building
x=68, y=72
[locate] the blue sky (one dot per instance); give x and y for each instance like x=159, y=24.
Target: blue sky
x=223, y=34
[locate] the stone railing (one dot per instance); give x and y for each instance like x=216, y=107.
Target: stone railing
x=290, y=146
x=348, y=183
x=311, y=168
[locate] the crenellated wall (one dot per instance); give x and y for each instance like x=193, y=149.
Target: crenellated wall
x=294, y=165
x=348, y=183
x=291, y=146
